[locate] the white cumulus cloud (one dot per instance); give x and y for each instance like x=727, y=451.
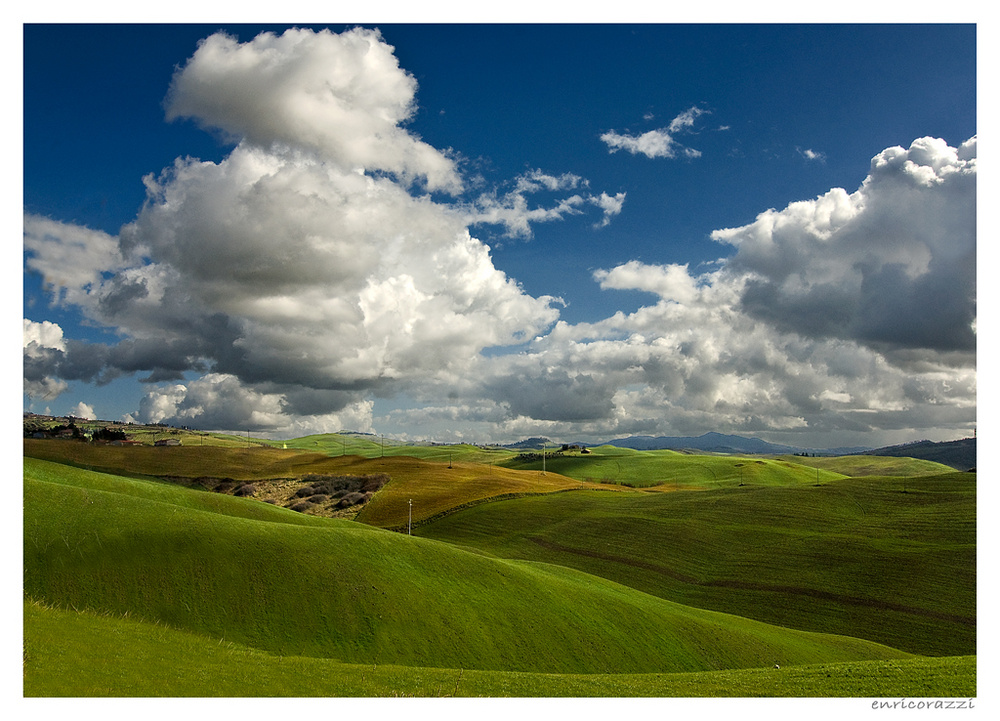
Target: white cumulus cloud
x=70, y=258
x=82, y=410
x=285, y=286
x=342, y=97
x=308, y=259
x=223, y=402
x=892, y=265
x=828, y=353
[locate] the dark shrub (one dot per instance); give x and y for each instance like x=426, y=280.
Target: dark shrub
x=110, y=434
x=334, y=485
x=351, y=499
x=374, y=482
x=301, y=506
x=247, y=489
x=305, y=491
x=319, y=498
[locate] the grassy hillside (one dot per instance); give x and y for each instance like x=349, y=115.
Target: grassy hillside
x=960, y=454
x=339, y=444
x=436, y=489
x=861, y=465
x=668, y=470
x=189, y=460
x=239, y=571
x=859, y=557
x=149, y=660
x=433, y=486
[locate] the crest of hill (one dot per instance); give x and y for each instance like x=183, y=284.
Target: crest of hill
x=533, y=443
x=960, y=454
x=721, y=443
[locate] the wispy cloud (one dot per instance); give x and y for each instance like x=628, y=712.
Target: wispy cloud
x=659, y=143
x=514, y=211
x=810, y=154
x=610, y=204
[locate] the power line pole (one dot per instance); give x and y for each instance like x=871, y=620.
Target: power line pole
x=409, y=520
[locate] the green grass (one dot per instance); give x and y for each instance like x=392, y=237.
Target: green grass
x=165, y=493
x=288, y=585
x=585, y=593
x=435, y=487
x=854, y=556
x=872, y=465
x=188, y=460
x=335, y=444
x=670, y=469
x=70, y=653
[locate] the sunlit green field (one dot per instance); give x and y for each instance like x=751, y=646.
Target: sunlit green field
x=145, y=659
x=516, y=581
x=853, y=556
x=670, y=469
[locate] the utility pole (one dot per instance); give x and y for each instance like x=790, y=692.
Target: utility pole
x=543, y=459
x=409, y=520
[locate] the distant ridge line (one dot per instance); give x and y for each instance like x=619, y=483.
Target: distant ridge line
x=722, y=443
x=960, y=454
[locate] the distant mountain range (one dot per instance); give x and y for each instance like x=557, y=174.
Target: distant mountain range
x=721, y=443
x=960, y=455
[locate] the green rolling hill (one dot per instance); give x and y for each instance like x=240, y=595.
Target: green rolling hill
x=142, y=659
x=671, y=469
x=859, y=556
x=693, y=576
x=289, y=585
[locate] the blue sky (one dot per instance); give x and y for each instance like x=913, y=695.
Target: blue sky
x=487, y=232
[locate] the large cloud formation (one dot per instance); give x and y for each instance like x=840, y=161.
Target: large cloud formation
x=892, y=265
x=837, y=316
x=321, y=265
x=311, y=257
x=342, y=97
